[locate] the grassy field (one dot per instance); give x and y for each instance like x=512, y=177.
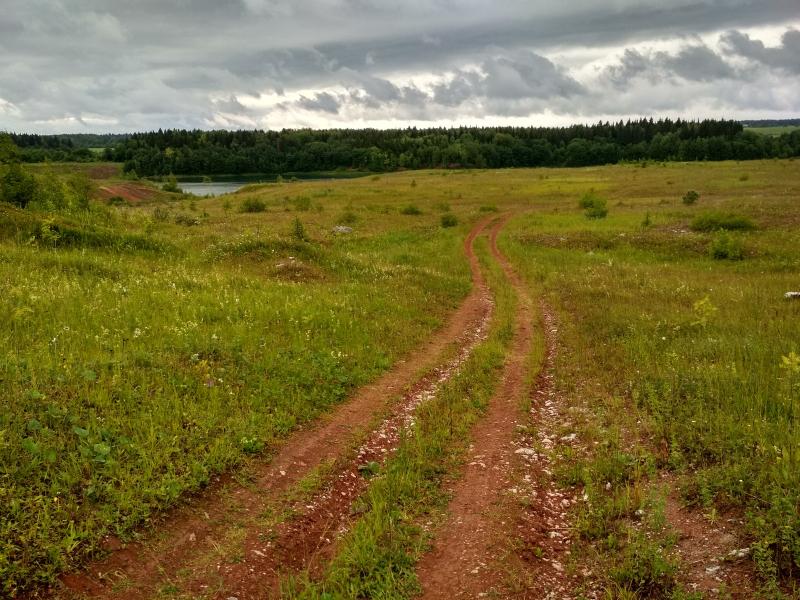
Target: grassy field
x=685, y=360
x=774, y=131
x=148, y=346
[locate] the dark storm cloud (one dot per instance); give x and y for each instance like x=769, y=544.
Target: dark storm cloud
x=113, y=64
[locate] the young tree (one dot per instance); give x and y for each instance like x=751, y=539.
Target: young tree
x=17, y=186
x=8, y=149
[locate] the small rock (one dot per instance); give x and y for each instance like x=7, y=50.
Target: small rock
x=792, y=295
x=739, y=553
x=569, y=438
x=525, y=451
x=712, y=569
x=342, y=229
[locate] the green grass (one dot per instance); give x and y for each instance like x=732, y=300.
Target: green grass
x=141, y=356
x=133, y=376
x=695, y=348
x=774, y=131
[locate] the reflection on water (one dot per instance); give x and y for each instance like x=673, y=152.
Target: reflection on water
x=215, y=188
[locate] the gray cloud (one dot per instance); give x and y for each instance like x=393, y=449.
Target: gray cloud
x=159, y=63
x=786, y=56
x=692, y=63
x=324, y=102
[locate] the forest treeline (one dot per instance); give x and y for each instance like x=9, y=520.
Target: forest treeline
x=185, y=152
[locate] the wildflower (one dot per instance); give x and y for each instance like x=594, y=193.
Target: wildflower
x=137, y=332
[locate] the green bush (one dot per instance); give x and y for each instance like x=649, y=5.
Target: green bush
x=17, y=186
x=298, y=231
x=690, y=197
x=449, y=220
x=715, y=221
x=172, y=185
x=411, y=210
x=726, y=247
x=594, y=206
x=252, y=205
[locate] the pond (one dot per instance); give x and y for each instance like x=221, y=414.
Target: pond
x=211, y=188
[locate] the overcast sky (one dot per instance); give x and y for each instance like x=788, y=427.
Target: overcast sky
x=124, y=65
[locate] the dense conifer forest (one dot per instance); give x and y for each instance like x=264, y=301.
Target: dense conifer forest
x=195, y=152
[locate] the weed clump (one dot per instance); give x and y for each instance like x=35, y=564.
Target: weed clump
x=299, y=232
x=410, y=210
x=726, y=247
x=690, y=197
x=715, y=221
x=488, y=208
x=252, y=205
x=594, y=206
x=449, y=220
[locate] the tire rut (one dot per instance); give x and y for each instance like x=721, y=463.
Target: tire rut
x=187, y=533
x=461, y=561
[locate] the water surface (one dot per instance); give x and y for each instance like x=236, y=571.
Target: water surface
x=211, y=188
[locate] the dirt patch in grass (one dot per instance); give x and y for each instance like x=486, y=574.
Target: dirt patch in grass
x=133, y=193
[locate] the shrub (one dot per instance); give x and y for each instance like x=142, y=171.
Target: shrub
x=172, y=185
x=647, y=221
x=252, y=205
x=449, y=220
x=411, y=210
x=298, y=231
x=489, y=208
x=690, y=197
x=588, y=200
x=17, y=186
x=594, y=206
x=116, y=201
x=160, y=213
x=726, y=247
x=715, y=221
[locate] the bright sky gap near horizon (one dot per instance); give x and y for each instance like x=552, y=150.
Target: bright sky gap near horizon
x=83, y=66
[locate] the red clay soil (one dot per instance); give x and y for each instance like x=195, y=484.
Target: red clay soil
x=714, y=558
x=461, y=562
x=538, y=509
x=138, y=570
x=133, y=193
